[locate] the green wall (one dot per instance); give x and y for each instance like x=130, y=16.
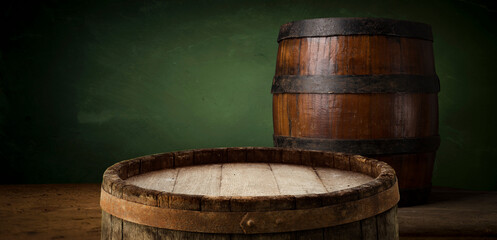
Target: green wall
x=85, y=84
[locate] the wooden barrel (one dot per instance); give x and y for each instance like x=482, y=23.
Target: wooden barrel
x=249, y=193
x=360, y=85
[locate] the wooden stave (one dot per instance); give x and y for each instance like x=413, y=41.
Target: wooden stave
x=387, y=55
x=414, y=191
x=381, y=226
x=261, y=221
x=114, y=183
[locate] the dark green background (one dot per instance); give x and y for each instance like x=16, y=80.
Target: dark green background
x=87, y=84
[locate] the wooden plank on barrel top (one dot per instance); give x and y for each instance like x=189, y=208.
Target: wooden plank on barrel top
x=297, y=179
x=253, y=179
x=335, y=179
x=161, y=180
x=199, y=180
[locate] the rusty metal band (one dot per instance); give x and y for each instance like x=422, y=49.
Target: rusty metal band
x=250, y=222
x=366, y=147
x=326, y=27
x=400, y=83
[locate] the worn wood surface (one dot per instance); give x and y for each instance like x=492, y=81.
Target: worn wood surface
x=334, y=189
x=256, y=180
x=118, y=179
x=365, y=115
x=71, y=211
x=249, y=179
x=50, y=211
x=452, y=213
x=157, y=180
x=379, y=227
x=206, y=180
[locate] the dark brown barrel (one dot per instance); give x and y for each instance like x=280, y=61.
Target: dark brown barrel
x=180, y=195
x=360, y=85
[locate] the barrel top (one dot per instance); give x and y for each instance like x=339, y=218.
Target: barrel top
x=248, y=190
x=252, y=170
x=326, y=27
x=249, y=179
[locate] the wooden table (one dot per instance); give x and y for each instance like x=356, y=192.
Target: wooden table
x=71, y=211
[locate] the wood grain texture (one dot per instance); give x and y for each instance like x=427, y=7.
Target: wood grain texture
x=166, y=234
x=361, y=116
x=297, y=180
x=249, y=179
x=71, y=211
x=158, y=180
x=369, y=228
x=252, y=180
x=355, y=55
x=51, y=211
x=387, y=225
x=135, y=231
x=202, y=180
x=335, y=179
x=116, y=224
x=125, y=187
x=346, y=232
x=106, y=229
x=357, y=230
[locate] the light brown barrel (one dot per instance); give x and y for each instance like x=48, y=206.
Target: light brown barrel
x=364, y=86
x=250, y=193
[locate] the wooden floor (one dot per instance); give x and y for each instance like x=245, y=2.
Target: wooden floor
x=71, y=211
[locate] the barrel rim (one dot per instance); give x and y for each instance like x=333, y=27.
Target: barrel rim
x=328, y=27
x=114, y=179
x=247, y=214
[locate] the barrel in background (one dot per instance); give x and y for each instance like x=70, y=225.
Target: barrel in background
x=360, y=85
